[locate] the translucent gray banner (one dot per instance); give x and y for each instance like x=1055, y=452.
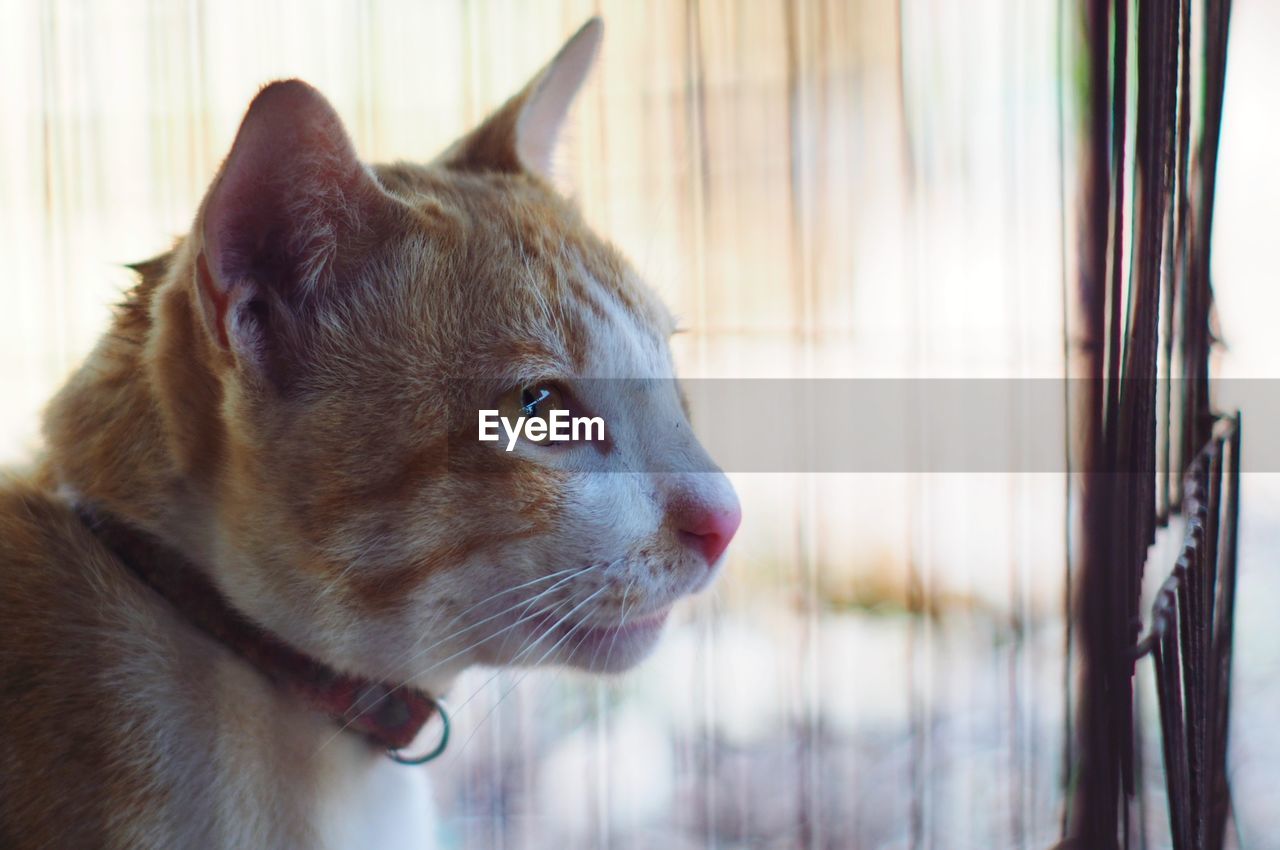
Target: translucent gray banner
x=890, y=425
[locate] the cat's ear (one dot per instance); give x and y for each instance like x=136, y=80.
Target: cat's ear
x=522, y=134
x=291, y=209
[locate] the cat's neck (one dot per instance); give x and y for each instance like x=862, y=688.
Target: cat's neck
x=135, y=430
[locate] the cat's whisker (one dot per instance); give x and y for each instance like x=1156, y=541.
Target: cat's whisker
x=581, y=640
x=622, y=622
x=581, y=622
x=541, y=613
x=373, y=705
x=565, y=581
x=417, y=651
x=521, y=618
x=558, y=623
x=543, y=636
x=606, y=566
x=524, y=648
x=523, y=605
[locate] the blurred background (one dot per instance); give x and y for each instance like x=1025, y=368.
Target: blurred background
x=819, y=188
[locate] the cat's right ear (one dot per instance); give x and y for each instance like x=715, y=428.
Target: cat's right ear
x=291, y=209
x=522, y=134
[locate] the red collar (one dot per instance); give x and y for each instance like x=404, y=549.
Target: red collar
x=388, y=715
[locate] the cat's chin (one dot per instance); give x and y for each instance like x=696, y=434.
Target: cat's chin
x=615, y=648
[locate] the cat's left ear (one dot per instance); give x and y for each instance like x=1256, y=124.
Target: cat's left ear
x=522, y=134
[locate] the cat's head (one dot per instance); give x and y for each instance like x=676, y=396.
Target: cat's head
x=359, y=318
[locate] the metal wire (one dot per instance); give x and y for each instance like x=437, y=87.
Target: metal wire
x=1162, y=290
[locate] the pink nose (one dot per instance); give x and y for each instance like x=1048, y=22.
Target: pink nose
x=709, y=530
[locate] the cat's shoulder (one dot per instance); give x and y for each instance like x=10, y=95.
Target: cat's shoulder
x=41, y=538
x=49, y=560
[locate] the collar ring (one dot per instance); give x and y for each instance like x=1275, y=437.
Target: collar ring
x=397, y=756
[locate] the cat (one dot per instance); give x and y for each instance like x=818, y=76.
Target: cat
x=263, y=538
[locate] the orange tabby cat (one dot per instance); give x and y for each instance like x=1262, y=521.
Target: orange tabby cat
x=265, y=536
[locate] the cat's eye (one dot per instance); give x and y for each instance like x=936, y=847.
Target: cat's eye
x=533, y=401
